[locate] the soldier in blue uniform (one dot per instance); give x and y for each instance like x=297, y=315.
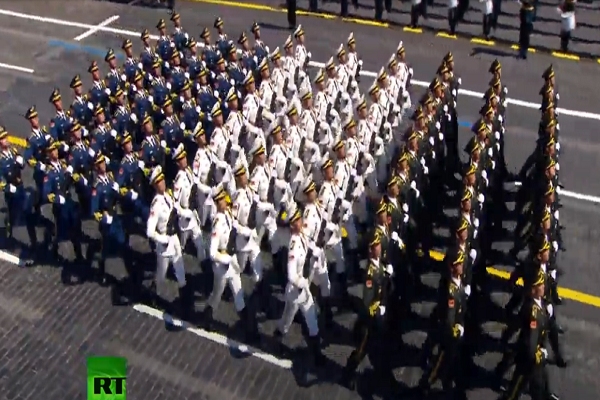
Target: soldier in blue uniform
x=122, y=116
x=81, y=109
x=209, y=52
x=134, y=188
x=221, y=80
x=248, y=60
x=221, y=35
x=171, y=129
x=81, y=158
x=159, y=87
x=193, y=63
x=260, y=49
x=35, y=155
x=56, y=191
x=105, y=195
x=60, y=124
x=132, y=65
x=177, y=75
x=103, y=138
x=204, y=92
x=153, y=148
x=149, y=53
x=164, y=44
x=115, y=78
x=18, y=199
x=99, y=93
x=180, y=36
x=142, y=101
x=190, y=111
x=235, y=70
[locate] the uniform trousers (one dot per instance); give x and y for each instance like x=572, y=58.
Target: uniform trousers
x=227, y=274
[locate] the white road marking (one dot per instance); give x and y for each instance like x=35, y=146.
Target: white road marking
x=16, y=68
x=471, y=93
x=96, y=28
x=215, y=337
x=4, y=256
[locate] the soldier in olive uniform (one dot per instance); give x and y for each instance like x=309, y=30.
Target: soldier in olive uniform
x=371, y=325
x=449, y=317
x=536, y=326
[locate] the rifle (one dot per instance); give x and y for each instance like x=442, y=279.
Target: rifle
x=173, y=223
x=307, y=268
x=211, y=179
x=302, y=149
x=231, y=242
x=271, y=191
x=288, y=170
x=321, y=236
x=357, y=74
x=252, y=215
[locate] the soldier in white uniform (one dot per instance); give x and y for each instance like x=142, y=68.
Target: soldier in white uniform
x=246, y=241
x=365, y=128
x=333, y=88
x=321, y=100
x=376, y=113
x=201, y=167
x=289, y=61
x=220, y=135
x=294, y=132
x=302, y=55
x=161, y=228
x=182, y=189
x=405, y=72
x=302, y=253
x=329, y=188
x=260, y=173
x=343, y=73
x=309, y=116
x=354, y=62
x=279, y=73
x=226, y=269
x=351, y=143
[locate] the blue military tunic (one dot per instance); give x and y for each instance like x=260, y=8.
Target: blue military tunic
x=56, y=192
x=104, y=199
x=173, y=131
x=131, y=66
x=83, y=110
x=60, y=125
x=131, y=176
x=98, y=95
x=19, y=200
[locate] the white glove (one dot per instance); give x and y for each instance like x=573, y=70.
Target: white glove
x=497, y=135
x=198, y=109
x=113, y=133
x=480, y=198
x=410, y=71
x=181, y=99
x=445, y=108
x=19, y=160
x=353, y=84
x=425, y=170
x=405, y=207
x=134, y=195
x=163, y=144
x=134, y=118
x=558, y=129
x=395, y=236
x=12, y=188
x=431, y=141
x=557, y=96
x=475, y=234
x=140, y=66
x=187, y=75
x=141, y=164
x=172, y=45
x=65, y=147
x=555, y=245
x=454, y=92
x=115, y=186
x=42, y=167
x=461, y=330
x=216, y=93
x=441, y=136
x=382, y=310
x=303, y=283
x=91, y=152
x=500, y=118
x=107, y=91
x=182, y=125
x=557, y=145
x=553, y=274
x=476, y=222
x=490, y=152
x=123, y=77
x=168, y=85
x=493, y=164
x=417, y=193
x=437, y=125
x=550, y=309
x=473, y=254
x=460, y=81
x=468, y=290
x=309, y=55
x=70, y=169
x=151, y=99
x=90, y=106
x=433, y=155
x=484, y=174
x=61, y=199
x=556, y=214
x=505, y=90
x=413, y=185
x=544, y=353
x=557, y=166
x=422, y=161
x=389, y=269
x=109, y=219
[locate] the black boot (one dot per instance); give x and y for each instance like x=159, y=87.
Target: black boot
x=208, y=318
x=349, y=373
x=250, y=326
x=184, y=303
x=327, y=313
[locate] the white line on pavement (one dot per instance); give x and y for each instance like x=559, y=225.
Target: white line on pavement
x=215, y=337
x=471, y=93
x=95, y=29
x=16, y=68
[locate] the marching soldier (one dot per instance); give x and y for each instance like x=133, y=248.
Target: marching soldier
x=526, y=27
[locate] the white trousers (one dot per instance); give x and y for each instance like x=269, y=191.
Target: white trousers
x=256, y=262
x=299, y=299
x=227, y=275
x=193, y=231
x=170, y=254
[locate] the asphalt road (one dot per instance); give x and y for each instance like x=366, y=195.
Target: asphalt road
x=63, y=323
